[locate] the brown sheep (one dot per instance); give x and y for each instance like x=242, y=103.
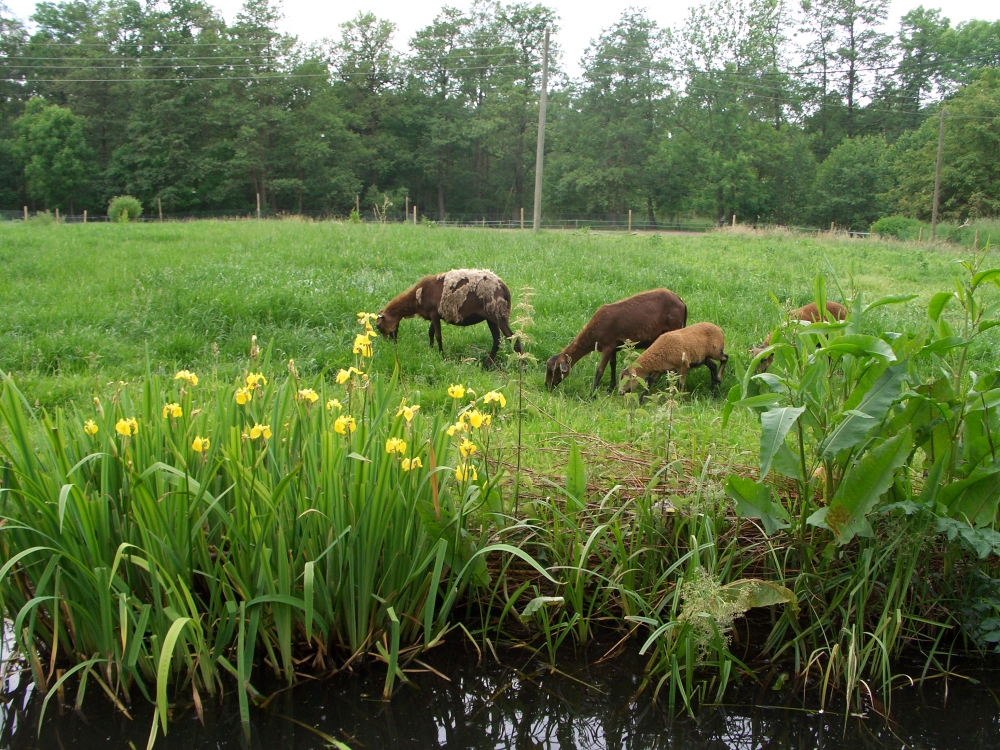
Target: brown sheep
x=679, y=351
x=808, y=313
x=639, y=319
x=462, y=297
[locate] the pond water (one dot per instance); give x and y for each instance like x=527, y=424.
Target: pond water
x=515, y=702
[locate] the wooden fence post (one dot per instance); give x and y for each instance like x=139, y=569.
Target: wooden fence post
x=920, y=237
x=734, y=220
x=414, y=214
x=357, y=204
x=159, y=208
x=406, y=213
x=630, y=220
x=522, y=217
x=832, y=226
x=57, y=214
x=84, y=216
x=25, y=213
x=258, y=205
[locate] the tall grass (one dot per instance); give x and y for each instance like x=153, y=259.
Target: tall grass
x=164, y=536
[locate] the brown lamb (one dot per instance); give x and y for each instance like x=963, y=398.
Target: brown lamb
x=639, y=319
x=679, y=351
x=462, y=297
x=808, y=313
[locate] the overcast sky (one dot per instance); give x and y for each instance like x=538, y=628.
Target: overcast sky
x=579, y=20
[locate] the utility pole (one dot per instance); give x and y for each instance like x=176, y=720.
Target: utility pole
x=540, y=149
x=937, y=177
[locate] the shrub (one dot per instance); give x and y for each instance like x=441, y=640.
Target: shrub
x=124, y=208
x=899, y=227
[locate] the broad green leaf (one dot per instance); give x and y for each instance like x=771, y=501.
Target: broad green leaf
x=848, y=432
x=538, y=602
x=775, y=425
x=892, y=299
x=943, y=345
x=871, y=409
x=734, y=396
x=974, y=498
x=860, y=345
x=754, y=500
x=862, y=486
x=788, y=463
x=576, y=476
x=985, y=276
x=763, y=593
x=760, y=400
x=937, y=304
x=985, y=325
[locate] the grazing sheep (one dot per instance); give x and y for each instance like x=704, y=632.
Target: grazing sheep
x=678, y=351
x=808, y=313
x=462, y=297
x=639, y=319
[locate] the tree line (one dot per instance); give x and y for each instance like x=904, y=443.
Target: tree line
x=774, y=112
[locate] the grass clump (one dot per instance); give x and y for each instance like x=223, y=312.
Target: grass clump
x=124, y=208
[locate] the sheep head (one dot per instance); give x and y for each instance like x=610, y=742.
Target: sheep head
x=388, y=325
x=630, y=381
x=556, y=368
x=764, y=363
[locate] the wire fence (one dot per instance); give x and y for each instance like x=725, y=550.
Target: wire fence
x=579, y=222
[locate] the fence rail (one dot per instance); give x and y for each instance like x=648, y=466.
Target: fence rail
x=596, y=222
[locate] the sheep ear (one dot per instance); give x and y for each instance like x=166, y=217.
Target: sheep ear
x=564, y=367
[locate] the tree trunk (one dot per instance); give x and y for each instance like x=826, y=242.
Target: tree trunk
x=650, y=216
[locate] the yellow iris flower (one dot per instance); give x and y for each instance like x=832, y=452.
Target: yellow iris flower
x=343, y=424
x=259, y=430
x=90, y=427
x=243, y=396
x=395, y=445
x=308, y=394
x=466, y=472
x=126, y=427
x=255, y=379
x=495, y=396
x=407, y=412
x=172, y=410
x=362, y=345
x=333, y=404
x=456, y=391
x=200, y=444
x=467, y=448
x=476, y=419
x=414, y=463
x=187, y=375
x=344, y=375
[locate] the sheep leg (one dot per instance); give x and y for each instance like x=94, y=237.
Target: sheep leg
x=495, y=330
x=436, y=331
x=614, y=370
x=722, y=364
x=430, y=333
x=714, y=370
x=605, y=358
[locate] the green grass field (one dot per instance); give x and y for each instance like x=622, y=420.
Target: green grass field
x=84, y=305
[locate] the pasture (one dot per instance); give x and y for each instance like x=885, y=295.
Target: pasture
x=241, y=523
x=87, y=305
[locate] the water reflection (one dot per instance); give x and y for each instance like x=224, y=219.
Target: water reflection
x=516, y=705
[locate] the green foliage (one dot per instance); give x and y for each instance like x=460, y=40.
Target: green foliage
x=124, y=208
x=851, y=182
x=899, y=227
x=969, y=172
x=52, y=149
